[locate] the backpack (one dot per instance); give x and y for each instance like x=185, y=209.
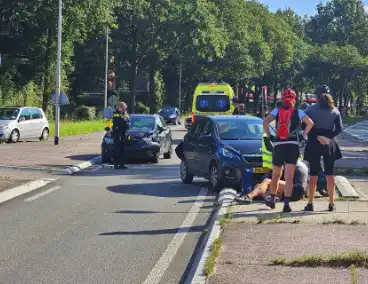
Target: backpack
x=287, y=123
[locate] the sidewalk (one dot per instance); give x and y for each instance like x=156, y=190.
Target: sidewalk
x=46, y=156
x=249, y=245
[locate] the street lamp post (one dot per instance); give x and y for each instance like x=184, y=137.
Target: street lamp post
x=107, y=65
x=180, y=76
x=58, y=77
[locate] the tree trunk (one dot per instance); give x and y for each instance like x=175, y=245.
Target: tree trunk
x=46, y=74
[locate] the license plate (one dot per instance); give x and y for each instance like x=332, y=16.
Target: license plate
x=261, y=170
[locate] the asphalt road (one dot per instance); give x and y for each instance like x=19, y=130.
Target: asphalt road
x=105, y=226
x=359, y=130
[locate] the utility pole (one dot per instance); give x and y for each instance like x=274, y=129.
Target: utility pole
x=107, y=65
x=58, y=77
x=180, y=76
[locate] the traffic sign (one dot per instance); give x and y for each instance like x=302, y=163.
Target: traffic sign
x=63, y=99
x=108, y=112
x=113, y=100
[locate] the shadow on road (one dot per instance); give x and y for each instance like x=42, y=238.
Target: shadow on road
x=84, y=157
x=154, y=232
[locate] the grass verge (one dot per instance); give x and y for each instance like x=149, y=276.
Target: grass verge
x=226, y=218
x=343, y=222
x=357, y=258
x=350, y=120
x=71, y=128
x=211, y=261
x=353, y=274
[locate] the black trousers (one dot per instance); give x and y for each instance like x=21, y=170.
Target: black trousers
x=119, y=159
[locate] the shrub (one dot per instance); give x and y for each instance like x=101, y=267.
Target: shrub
x=85, y=113
x=141, y=108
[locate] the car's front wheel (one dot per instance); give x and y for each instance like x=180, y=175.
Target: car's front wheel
x=186, y=178
x=14, y=136
x=215, y=182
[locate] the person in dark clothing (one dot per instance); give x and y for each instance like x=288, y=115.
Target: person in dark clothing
x=236, y=105
x=119, y=130
x=241, y=109
x=322, y=143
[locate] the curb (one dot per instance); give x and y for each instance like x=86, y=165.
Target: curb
x=196, y=275
x=23, y=189
x=80, y=167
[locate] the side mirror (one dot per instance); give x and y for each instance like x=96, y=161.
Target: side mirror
x=21, y=119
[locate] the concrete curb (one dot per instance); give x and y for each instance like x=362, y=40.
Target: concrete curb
x=345, y=188
x=23, y=189
x=197, y=274
x=80, y=167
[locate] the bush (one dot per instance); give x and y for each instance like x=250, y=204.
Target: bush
x=85, y=113
x=141, y=108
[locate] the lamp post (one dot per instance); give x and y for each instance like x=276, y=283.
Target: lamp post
x=106, y=65
x=58, y=76
x=180, y=76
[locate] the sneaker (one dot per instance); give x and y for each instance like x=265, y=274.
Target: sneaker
x=331, y=207
x=309, y=207
x=270, y=202
x=287, y=208
x=244, y=199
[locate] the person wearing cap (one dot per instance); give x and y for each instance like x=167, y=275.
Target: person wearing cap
x=286, y=144
x=322, y=143
x=119, y=129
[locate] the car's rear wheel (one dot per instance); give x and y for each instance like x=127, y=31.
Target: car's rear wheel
x=215, y=182
x=186, y=178
x=14, y=136
x=44, y=135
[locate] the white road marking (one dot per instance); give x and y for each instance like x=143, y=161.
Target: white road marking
x=167, y=257
x=96, y=169
x=42, y=194
x=22, y=189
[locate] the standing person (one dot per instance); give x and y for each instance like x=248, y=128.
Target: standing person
x=236, y=105
x=322, y=143
x=286, y=144
x=119, y=129
x=241, y=109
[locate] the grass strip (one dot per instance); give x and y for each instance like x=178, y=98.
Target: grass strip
x=211, y=261
x=71, y=128
x=346, y=259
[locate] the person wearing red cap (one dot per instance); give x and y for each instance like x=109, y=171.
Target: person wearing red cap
x=286, y=144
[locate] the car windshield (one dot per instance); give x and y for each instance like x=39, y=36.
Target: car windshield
x=167, y=111
x=241, y=129
x=8, y=113
x=142, y=123
x=213, y=103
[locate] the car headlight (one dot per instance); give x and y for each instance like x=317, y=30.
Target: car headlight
x=4, y=127
x=226, y=153
x=172, y=116
x=108, y=140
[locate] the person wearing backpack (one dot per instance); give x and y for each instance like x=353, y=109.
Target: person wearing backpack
x=286, y=144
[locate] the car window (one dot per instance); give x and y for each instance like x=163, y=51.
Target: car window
x=162, y=121
x=26, y=114
x=36, y=113
x=8, y=113
x=141, y=123
x=240, y=129
x=207, y=128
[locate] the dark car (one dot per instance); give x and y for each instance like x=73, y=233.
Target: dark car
x=220, y=148
x=147, y=138
x=171, y=115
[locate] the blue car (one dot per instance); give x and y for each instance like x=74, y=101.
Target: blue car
x=221, y=148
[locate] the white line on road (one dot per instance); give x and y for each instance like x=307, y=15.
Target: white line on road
x=22, y=189
x=42, y=194
x=167, y=257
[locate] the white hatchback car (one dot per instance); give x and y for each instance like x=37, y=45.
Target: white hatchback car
x=23, y=123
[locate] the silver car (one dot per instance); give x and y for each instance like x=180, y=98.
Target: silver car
x=23, y=123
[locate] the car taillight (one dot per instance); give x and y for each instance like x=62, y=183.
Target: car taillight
x=194, y=118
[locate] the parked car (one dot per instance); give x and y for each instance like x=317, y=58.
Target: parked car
x=188, y=122
x=171, y=115
x=147, y=138
x=23, y=123
x=220, y=148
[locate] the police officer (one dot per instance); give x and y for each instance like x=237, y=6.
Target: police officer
x=119, y=129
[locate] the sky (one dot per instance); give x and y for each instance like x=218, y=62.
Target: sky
x=302, y=7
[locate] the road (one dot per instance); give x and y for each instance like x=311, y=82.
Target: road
x=141, y=225
x=359, y=130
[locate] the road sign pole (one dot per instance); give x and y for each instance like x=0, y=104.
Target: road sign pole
x=58, y=77
x=107, y=65
x=180, y=75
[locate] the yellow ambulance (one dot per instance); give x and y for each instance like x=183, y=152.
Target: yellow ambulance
x=212, y=99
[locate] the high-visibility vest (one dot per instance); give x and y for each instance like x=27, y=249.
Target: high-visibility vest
x=267, y=150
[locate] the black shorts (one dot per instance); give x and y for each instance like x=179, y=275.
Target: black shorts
x=315, y=164
x=285, y=154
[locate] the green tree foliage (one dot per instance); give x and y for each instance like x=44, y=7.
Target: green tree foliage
x=240, y=42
